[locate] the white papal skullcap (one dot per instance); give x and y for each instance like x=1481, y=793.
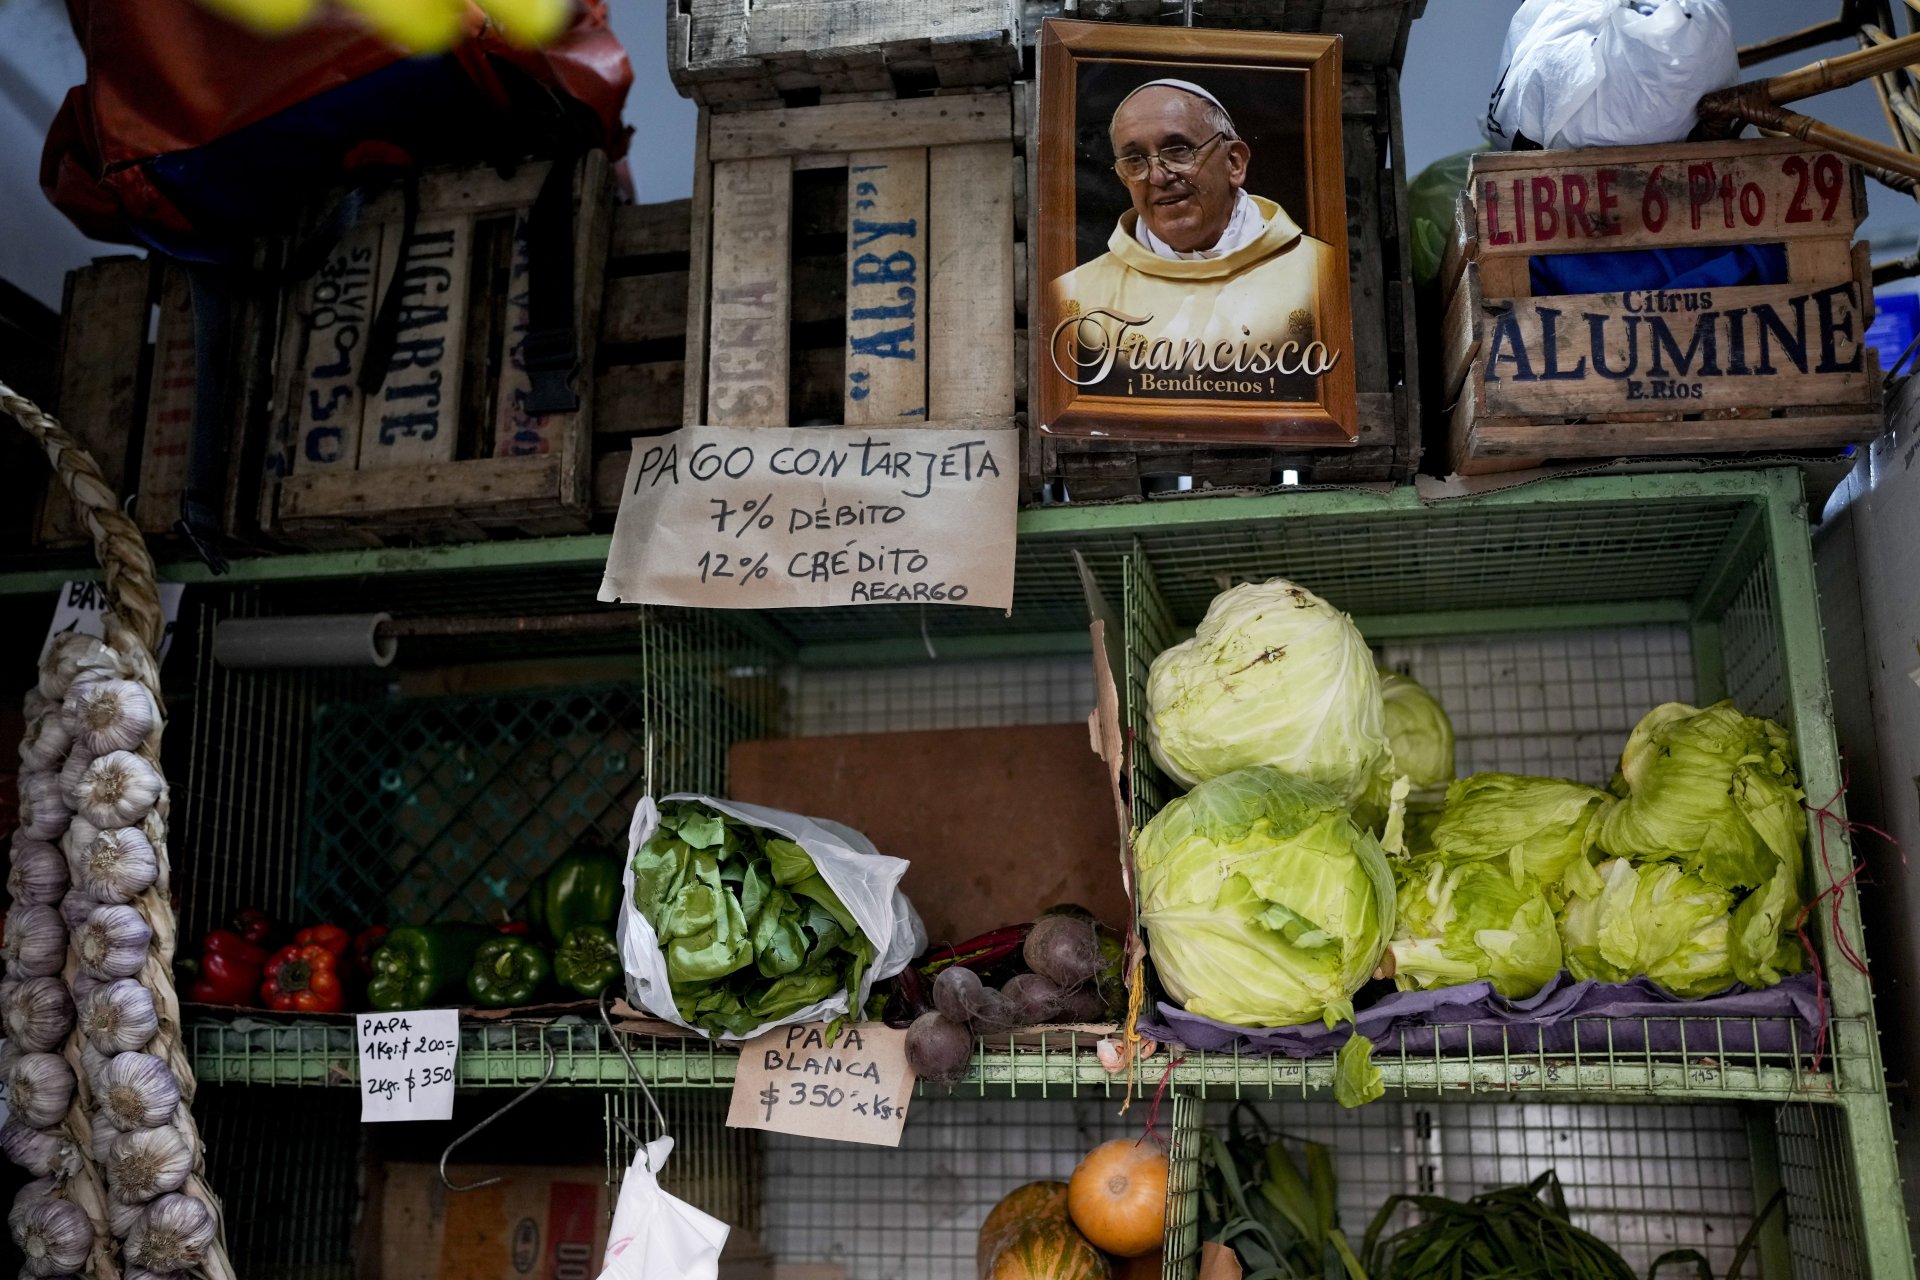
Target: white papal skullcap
x=1184, y=86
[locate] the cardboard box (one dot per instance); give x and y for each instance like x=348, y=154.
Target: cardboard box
x=537, y=1223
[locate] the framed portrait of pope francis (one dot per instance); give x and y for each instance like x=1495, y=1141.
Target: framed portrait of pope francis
x=1191, y=237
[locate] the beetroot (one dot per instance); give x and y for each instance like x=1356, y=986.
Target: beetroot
x=994, y=1014
x=954, y=992
x=1038, y=998
x=938, y=1049
x=1084, y=1004
x=1065, y=949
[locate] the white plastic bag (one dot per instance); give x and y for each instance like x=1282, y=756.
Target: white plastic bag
x=865, y=879
x=655, y=1236
x=1608, y=73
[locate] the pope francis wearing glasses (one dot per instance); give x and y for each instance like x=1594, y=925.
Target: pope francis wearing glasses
x=1197, y=260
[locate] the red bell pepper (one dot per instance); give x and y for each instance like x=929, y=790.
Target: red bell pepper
x=230, y=969
x=331, y=936
x=514, y=928
x=303, y=979
x=256, y=926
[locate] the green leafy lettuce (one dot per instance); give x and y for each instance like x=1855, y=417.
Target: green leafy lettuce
x=1652, y=918
x=751, y=931
x=1274, y=675
x=1462, y=921
x=1712, y=789
x=1540, y=829
x=1419, y=734
x=1264, y=903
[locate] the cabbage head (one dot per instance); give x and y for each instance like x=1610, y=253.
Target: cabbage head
x=1540, y=829
x=1464, y=921
x=1419, y=734
x=1264, y=903
x=1274, y=675
x=1651, y=918
x=1713, y=790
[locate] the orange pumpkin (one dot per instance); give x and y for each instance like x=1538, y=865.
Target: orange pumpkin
x=1145, y=1267
x=1118, y=1196
x=1035, y=1204
x=1049, y=1251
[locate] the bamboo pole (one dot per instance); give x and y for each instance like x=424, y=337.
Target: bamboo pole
x=1728, y=106
x=1795, y=42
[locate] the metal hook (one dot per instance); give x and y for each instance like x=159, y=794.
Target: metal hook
x=633, y=1071
x=524, y=1094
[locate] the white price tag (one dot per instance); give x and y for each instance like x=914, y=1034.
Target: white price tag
x=407, y=1064
x=856, y=1089
x=82, y=606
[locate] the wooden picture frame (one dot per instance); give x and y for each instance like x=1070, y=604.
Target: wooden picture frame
x=1246, y=345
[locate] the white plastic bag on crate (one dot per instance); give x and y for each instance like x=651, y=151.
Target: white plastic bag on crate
x=656, y=1236
x=1609, y=73
x=866, y=880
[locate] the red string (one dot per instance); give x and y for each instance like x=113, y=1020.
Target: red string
x=1159, y=1092
x=1836, y=891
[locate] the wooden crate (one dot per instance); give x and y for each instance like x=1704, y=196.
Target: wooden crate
x=856, y=264
x=1385, y=351
x=724, y=53
x=446, y=449
x=1374, y=31
x=639, y=388
x=1639, y=372
x=127, y=396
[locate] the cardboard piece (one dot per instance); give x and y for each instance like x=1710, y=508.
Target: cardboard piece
x=1217, y=1262
x=855, y=1089
x=537, y=1221
x=777, y=517
x=998, y=824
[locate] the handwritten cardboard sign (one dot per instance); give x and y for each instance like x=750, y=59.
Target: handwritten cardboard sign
x=780, y=517
x=82, y=607
x=856, y=1089
x=406, y=1064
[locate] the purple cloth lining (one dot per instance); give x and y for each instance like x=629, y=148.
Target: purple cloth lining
x=1563, y=1018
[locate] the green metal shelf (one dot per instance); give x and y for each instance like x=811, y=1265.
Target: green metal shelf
x=1064, y=1064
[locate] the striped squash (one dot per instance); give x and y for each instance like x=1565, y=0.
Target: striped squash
x=1050, y=1251
x=1034, y=1204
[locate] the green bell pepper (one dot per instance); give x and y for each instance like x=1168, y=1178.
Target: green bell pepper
x=417, y=964
x=588, y=959
x=506, y=971
x=583, y=887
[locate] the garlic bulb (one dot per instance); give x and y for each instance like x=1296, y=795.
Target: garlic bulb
x=174, y=1235
x=34, y=704
x=118, y=1016
x=122, y=1218
x=74, y=656
x=55, y=1235
x=77, y=907
x=104, y=1136
x=82, y=987
x=44, y=1153
x=141, y=1273
x=38, y=876
x=36, y=944
x=40, y=1089
x=43, y=810
x=113, y=942
x=72, y=773
x=117, y=865
x=38, y=1189
x=147, y=1163
x=92, y=1063
x=38, y=1012
x=109, y=715
x=137, y=1091
x=118, y=790
x=44, y=745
